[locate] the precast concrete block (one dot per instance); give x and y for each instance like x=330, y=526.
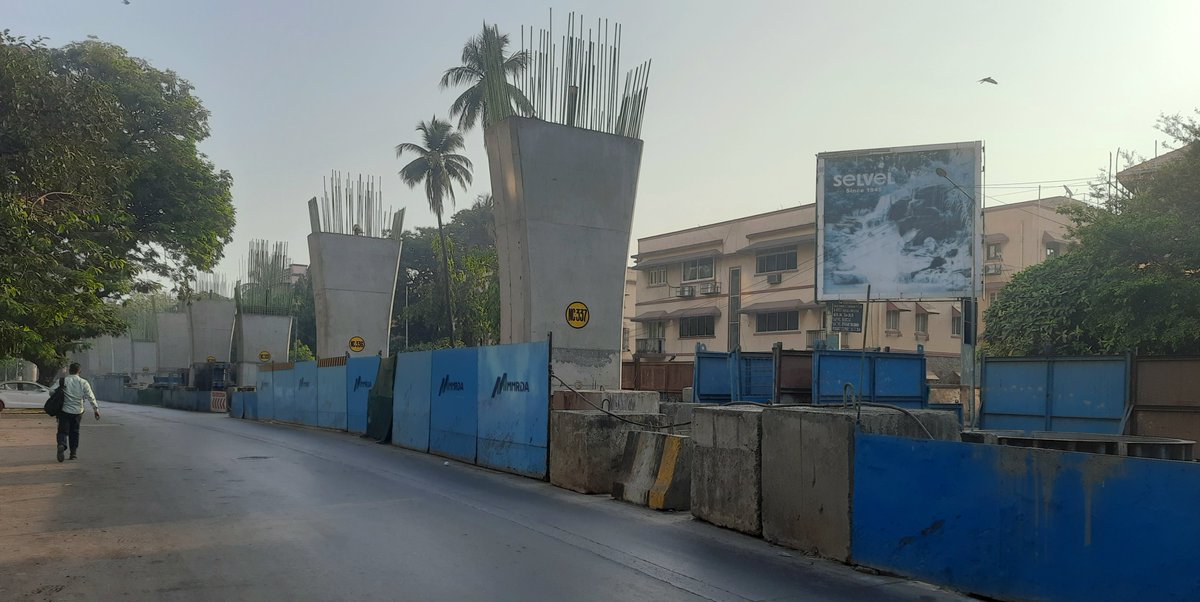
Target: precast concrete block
x=687, y=396
x=645, y=402
x=261, y=337
x=656, y=471
x=807, y=475
x=564, y=207
x=727, y=467
x=211, y=323
x=681, y=414
x=587, y=446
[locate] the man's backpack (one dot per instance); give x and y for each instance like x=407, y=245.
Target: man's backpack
x=54, y=405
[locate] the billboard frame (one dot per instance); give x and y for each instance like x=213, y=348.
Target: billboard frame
x=975, y=194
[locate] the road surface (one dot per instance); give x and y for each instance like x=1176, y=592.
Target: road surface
x=170, y=505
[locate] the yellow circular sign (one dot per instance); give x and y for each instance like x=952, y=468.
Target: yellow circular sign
x=264, y=356
x=357, y=344
x=212, y=359
x=578, y=315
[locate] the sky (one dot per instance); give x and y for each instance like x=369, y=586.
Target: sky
x=742, y=95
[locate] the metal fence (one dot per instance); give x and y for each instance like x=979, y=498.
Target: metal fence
x=1062, y=394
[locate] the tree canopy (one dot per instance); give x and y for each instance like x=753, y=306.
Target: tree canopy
x=101, y=184
x=1131, y=281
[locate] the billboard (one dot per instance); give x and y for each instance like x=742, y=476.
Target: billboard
x=887, y=218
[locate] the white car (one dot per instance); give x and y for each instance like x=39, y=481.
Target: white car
x=23, y=394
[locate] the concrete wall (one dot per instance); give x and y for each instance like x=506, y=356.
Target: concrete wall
x=564, y=206
x=807, y=475
x=258, y=334
x=174, y=341
x=211, y=322
x=727, y=466
x=354, y=282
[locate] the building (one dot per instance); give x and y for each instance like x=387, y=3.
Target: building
x=750, y=283
x=296, y=271
x=628, y=326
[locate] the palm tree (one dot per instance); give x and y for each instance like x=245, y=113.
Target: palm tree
x=485, y=67
x=438, y=167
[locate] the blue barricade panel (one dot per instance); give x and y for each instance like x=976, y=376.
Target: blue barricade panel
x=250, y=402
x=331, y=397
x=410, y=401
x=237, y=404
x=1059, y=394
x=453, y=416
x=284, y=382
x=306, y=393
x=833, y=370
x=756, y=376
x=513, y=396
x=877, y=376
x=265, y=388
x=899, y=378
x=360, y=377
x=711, y=377
x=1026, y=524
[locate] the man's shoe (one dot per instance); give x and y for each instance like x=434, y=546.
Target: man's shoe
x=73, y=456
x=61, y=448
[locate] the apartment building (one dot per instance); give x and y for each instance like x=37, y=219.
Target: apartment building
x=750, y=282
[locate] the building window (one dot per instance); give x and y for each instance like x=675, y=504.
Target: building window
x=625, y=339
x=779, y=321
x=776, y=261
x=992, y=297
x=893, y=320
x=699, y=326
x=1053, y=249
x=922, y=323
x=656, y=330
x=956, y=325
x=993, y=251
x=657, y=276
x=698, y=269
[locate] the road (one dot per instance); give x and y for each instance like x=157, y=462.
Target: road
x=170, y=505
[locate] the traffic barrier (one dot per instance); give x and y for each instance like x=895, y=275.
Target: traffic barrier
x=512, y=415
x=237, y=404
x=305, y=406
x=894, y=378
x=360, y=377
x=250, y=400
x=331, y=393
x=283, y=383
x=454, y=403
x=410, y=399
x=656, y=471
x=1058, y=394
x=266, y=392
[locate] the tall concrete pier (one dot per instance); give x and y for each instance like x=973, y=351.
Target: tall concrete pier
x=354, y=280
x=564, y=205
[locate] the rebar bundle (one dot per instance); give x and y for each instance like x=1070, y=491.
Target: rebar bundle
x=266, y=284
x=575, y=80
x=354, y=206
x=210, y=284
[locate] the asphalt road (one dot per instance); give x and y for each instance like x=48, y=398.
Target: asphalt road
x=170, y=505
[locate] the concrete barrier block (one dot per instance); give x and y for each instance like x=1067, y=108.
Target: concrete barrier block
x=687, y=396
x=679, y=413
x=655, y=471
x=727, y=467
x=614, y=401
x=807, y=480
x=586, y=447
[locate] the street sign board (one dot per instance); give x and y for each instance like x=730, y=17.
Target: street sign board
x=846, y=317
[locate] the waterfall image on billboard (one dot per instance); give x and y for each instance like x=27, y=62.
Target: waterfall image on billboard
x=888, y=219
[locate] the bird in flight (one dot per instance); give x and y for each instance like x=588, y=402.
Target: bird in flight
x=988, y=80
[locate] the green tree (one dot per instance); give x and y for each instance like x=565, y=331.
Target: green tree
x=100, y=181
x=1132, y=281
x=438, y=167
x=485, y=69
x=304, y=312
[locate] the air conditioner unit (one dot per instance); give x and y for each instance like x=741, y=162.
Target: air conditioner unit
x=774, y=278
x=710, y=288
x=993, y=269
x=687, y=291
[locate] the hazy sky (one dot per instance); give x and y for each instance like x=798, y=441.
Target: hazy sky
x=743, y=95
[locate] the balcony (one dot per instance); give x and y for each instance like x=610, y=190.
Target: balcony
x=649, y=346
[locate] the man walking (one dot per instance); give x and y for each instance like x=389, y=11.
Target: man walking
x=76, y=390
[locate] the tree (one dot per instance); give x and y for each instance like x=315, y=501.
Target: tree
x=100, y=181
x=1132, y=281
x=439, y=168
x=486, y=68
